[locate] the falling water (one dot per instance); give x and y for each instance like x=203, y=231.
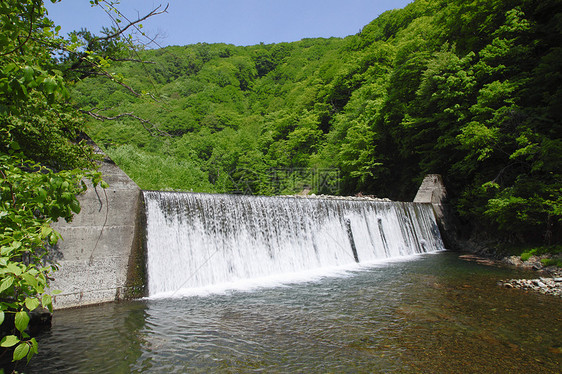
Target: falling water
x=198, y=240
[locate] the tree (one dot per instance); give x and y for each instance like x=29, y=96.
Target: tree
x=44, y=157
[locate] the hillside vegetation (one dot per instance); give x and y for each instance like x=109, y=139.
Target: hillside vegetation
x=470, y=89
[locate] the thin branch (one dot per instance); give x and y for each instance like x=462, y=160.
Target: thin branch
x=143, y=121
x=11, y=187
x=111, y=77
x=154, y=12
x=495, y=180
x=150, y=41
x=131, y=60
x=153, y=40
x=100, y=72
x=28, y=34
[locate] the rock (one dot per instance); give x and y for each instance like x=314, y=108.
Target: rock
x=513, y=260
x=546, y=286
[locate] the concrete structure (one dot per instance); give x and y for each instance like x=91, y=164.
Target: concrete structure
x=101, y=257
x=433, y=191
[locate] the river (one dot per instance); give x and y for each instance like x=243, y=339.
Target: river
x=432, y=313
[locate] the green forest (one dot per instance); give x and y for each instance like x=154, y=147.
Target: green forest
x=471, y=90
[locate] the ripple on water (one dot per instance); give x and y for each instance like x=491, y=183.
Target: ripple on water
x=433, y=314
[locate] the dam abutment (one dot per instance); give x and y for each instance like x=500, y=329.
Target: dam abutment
x=100, y=257
x=432, y=191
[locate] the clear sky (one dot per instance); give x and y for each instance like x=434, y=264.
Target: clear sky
x=238, y=22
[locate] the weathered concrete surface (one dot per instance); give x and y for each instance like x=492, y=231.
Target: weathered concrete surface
x=98, y=255
x=432, y=190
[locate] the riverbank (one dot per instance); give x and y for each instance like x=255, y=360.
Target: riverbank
x=548, y=282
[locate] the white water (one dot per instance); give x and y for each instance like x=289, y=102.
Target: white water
x=197, y=241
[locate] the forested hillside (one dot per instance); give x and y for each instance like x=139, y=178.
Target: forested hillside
x=471, y=90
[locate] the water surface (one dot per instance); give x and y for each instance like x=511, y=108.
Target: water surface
x=433, y=314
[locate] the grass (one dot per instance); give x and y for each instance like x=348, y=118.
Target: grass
x=552, y=250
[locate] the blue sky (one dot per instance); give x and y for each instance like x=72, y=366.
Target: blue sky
x=239, y=22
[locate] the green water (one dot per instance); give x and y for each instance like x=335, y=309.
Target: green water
x=433, y=314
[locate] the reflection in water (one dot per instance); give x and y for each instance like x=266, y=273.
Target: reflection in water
x=432, y=314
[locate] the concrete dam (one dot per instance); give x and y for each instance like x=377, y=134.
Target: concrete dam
x=127, y=243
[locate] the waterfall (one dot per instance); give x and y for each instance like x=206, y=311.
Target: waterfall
x=198, y=240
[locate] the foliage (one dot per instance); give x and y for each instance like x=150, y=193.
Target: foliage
x=551, y=262
x=527, y=255
x=31, y=197
x=467, y=89
x=43, y=161
x=554, y=251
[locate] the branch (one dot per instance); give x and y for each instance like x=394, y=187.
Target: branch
x=11, y=187
x=495, y=180
x=111, y=77
x=143, y=121
x=154, y=12
x=150, y=41
x=131, y=60
x=29, y=32
x=96, y=70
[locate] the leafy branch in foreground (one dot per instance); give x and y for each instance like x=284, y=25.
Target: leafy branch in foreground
x=43, y=159
x=31, y=198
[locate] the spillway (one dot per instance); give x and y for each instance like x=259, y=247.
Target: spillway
x=198, y=240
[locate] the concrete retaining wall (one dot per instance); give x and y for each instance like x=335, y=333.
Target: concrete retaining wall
x=101, y=257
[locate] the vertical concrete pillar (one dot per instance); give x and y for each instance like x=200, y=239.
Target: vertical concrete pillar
x=101, y=254
x=432, y=191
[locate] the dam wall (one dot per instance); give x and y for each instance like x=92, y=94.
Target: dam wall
x=103, y=254
x=100, y=255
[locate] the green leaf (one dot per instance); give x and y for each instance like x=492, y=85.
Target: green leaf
x=46, y=231
x=21, y=351
x=9, y=341
x=14, y=269
x=56, y=292
x=50, y=85
x=21, y=320
x=47, y=301
x=30, y=279
x=75, y=206
x=32, y=350
x=31, y=304
x=6, y=283
x=2, y=315
x=34, y=345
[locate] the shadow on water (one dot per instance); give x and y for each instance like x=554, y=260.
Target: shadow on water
x=433, y=314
